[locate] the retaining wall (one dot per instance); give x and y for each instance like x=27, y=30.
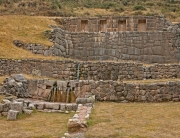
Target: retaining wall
x=68, y=70
x=117, y=91
x=148, y=47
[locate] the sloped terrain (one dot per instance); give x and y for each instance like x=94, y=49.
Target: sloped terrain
x=169, y=8
x=25, y=28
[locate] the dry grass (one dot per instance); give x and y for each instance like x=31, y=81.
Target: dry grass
x=28, y=29
x=36, y=125
x=135, y=120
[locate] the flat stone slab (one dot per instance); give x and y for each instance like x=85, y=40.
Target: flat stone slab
x=12, y=115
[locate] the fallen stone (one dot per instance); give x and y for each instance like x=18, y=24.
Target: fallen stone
x=12, y=115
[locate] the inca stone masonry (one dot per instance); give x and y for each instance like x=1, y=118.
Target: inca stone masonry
x=138, y=38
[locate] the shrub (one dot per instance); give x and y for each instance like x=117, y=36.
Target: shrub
x=139, y=7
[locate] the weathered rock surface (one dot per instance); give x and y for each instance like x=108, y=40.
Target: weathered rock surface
x=16, y=85
x=12, y=115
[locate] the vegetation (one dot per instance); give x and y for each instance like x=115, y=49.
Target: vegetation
x=36, y=125
x=134, y=120
x=29, y=29
x=169, y=8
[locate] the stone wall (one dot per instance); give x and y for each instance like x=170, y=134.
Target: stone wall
x=115, y=24
x=35, y=48
x=70, y=70
x=120, y=91
x=149, y=47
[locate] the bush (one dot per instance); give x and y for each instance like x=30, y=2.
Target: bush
x=139, y=7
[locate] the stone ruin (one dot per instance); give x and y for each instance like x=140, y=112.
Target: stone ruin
x=107, y=57
x=147, y=39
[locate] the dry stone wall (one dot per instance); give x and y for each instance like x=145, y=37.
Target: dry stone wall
x=72, y=70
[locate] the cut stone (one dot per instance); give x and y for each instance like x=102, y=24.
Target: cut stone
x=54, y=106
x=12, y=115
x=17, y=106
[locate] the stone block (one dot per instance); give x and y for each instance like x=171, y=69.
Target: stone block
x=69, y=107
x=40, y=106
x=63, y=107
x=81, y=100
x=17, y=106
x=12, y=115
x=54, y=106
x=74, y=107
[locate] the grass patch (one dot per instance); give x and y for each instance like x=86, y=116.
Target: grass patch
x=37, y=125
x=29, y=29
x=135, y=120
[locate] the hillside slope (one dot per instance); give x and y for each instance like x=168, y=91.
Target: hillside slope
x=169, y=8
x=25, y=28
